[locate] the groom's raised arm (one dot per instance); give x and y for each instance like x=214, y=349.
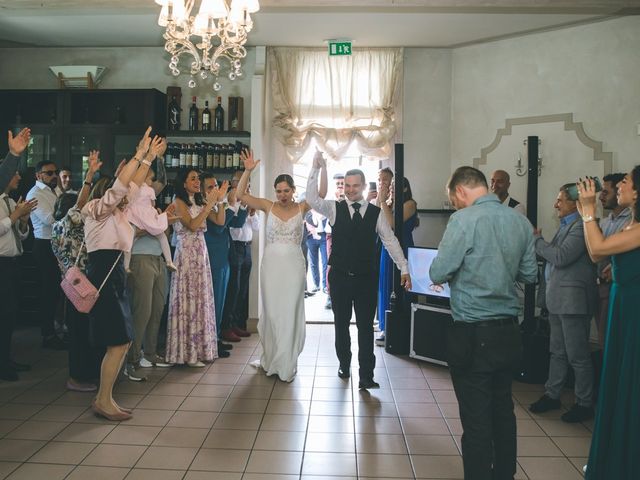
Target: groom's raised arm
x=324, y=207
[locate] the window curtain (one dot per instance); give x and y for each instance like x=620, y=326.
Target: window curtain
x=335, y=100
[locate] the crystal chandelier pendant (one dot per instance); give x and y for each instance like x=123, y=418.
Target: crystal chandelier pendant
x=222, y=33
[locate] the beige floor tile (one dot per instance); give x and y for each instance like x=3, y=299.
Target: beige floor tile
x=219, y=367
x=18, y=450
x=434, y=466
x=31, y=471
x=450, y=410
x=331, y=395
x=179, y=389
x=211, y=391
x=573, y=446
x=38, y=397
x=384, y=466
x=193, y=419
x=114, y=455
x=7, y=426
x=245, y=405
x=261, y=380
x=274, y=462
x=445, y=396
x=419, y=410
x=219, y=379
x=549, y=469
x=233, y=439
x=84, y=432
x=181, y=437
x=380, y=443
x=326, y=477
x=302, y=394
x=238, y=421
x=151, y=474
x=440, y=383
x=287, y=423
x=63, y=452
x=7, y=467
x=150, y=418
x=161, y=402
x=537, y=447
x=375, y=409
x=330, y=442
x=250, y=391
x=424, y=426
x=59, y=413
x=379, y=425
x=413, y=396
x=34, y=430
x=193, y=475
x=98, y=473
x=408, y=372
x=289, y=407
x=409, y=383
x=317, y=463
x=132, y=435
x=220, y=460
x=183, y=376
x=579, y=462
x=137, y=388
x=12, y=411
x=331, y=424
x=529, y=428
x=269, y=476
x=377, y=395
x=432, y=445
x=286, y=441
x=319, y=407
x=558, y=428
x=167, y=458
x=455, y=425
x=203, y=404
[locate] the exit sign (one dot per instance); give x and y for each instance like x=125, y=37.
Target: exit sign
x=339, y=48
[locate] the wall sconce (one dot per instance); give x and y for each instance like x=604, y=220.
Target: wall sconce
x=521, y=169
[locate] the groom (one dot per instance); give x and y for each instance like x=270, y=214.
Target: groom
x=355, y=226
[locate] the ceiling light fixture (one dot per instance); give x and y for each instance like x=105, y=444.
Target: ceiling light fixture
x=222, y=30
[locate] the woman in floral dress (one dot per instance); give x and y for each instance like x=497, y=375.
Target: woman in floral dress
x=191, y=329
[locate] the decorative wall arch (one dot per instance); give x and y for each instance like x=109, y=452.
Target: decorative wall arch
x=569, y=125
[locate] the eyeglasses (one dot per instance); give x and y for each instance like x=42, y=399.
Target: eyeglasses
x=49, y=173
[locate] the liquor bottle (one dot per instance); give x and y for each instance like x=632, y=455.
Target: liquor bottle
x=188, y=156
x=202, y=156
x=175, y=161
x=168, y=195
x=168, y=156
x=183, y=156
x=229, y=151
x=193, y=116
x=174, y=114
x=216, y=156
x=209, y=161
x=236, y=155
x=218, y=125
x=206, y=117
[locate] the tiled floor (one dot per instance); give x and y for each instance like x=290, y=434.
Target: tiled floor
x=228, y=421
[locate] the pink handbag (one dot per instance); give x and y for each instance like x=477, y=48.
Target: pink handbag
x=79, y=290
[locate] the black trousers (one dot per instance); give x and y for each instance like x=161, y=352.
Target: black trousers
x=8, y=305
x=359, y=293
x=84, y=358
x=49, y=284
x=481, y=361
x=236, y=305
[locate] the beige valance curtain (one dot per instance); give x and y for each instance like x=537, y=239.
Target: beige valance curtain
x=335, y=100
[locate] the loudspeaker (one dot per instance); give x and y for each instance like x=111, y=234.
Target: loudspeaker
x=397, y=331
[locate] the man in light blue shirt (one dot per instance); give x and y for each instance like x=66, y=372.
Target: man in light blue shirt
x=486, y=248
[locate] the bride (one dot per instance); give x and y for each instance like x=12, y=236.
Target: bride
x=282, y=273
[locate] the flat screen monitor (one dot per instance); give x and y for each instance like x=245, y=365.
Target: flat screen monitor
x=420, y=259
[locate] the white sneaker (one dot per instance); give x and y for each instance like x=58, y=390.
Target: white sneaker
x=144, y=363
x=380, y=341
x=130, y=373
x=196, y=365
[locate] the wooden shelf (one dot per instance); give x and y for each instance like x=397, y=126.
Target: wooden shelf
x=206, y=134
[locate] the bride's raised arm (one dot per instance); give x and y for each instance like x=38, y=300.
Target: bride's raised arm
x=253, y=202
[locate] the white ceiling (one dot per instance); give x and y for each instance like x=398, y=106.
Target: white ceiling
x=410, y=23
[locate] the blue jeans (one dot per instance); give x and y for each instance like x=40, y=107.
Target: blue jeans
x=314, y=246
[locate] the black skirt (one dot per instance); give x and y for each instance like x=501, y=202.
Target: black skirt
x=110, y=319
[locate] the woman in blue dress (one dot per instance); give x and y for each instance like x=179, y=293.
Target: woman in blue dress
x=409, y=224
x=615, y=443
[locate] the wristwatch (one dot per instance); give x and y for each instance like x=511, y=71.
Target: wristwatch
x=587, y=218
x=88, y=184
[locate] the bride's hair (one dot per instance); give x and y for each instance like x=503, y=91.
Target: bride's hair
x=284, y=177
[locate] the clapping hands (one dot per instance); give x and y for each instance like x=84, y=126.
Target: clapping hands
x=24, y=208
x=143, y=144
x=318, y=160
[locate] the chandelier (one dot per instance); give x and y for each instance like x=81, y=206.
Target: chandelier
x=222, y=33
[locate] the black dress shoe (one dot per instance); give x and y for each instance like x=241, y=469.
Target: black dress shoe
x=224, y=346
x=54, y=343
x=343, y=372
x=368, y=383
x=544, y=404
x=8, y=374
x=577, y=414
x=223, y=354
x=19, y=367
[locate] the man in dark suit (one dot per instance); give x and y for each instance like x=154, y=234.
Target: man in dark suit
x=355, y=225
x=570, y=293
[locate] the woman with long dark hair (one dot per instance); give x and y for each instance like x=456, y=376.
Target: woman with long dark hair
x=191, y=325
x=616, y=435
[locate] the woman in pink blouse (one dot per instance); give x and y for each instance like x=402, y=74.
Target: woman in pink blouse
x=108, y=234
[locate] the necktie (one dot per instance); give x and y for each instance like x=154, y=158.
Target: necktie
x=14, y=227
x=357, y=218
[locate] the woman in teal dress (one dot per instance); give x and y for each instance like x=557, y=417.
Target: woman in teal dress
x=615, y=444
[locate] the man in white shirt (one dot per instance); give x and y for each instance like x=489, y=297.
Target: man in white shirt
x=46, y=192
x=65, y=178
x=500, y=183
x=14, y=228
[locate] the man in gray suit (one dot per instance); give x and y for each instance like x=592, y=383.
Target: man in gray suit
x=570, y=293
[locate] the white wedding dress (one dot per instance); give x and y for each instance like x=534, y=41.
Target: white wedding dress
x=282, y=284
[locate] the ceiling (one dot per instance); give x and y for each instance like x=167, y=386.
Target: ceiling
x=409, y=23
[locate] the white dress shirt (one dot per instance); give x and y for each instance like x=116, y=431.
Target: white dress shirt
x=520, y=208
x=42, y=216
x=245, y=233
x=8, y=247
x=383, y=229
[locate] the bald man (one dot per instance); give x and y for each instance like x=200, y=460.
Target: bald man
x=500, y=183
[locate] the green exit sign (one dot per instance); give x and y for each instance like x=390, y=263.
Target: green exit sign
x=339, y=48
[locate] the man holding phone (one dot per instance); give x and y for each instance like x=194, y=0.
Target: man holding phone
x=570, y=279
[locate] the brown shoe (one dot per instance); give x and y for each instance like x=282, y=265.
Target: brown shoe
x=229, y=336
x=240, y=332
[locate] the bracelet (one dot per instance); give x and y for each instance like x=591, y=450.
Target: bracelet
x=136, y=159
x=587, y=218
x=146, y=162
x=88, y=184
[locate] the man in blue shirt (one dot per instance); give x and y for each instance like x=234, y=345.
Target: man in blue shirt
x=486, y=248
x=570, y=295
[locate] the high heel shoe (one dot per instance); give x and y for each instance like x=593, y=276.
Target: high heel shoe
x=114, y=417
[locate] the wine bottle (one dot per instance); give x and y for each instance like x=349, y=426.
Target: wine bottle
x=168, y=156
x=209, y=162
x=174, y=114
x=168, y=195
x=216, y=156
x=175, y=161
x=183, y=156
x=236, y=155
x=206, y=117
x=193, y=116
x=219, y=117
x=229, y=151
x=202, y=156
x=189, y=157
